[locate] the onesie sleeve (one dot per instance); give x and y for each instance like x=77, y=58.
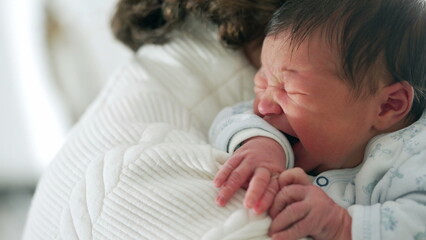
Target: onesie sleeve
x=397, y=208
x=392, y=220
x=235, y=124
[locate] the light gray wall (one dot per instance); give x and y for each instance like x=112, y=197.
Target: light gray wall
x=55, y=56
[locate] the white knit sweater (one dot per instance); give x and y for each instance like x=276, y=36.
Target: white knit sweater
x=137, y=165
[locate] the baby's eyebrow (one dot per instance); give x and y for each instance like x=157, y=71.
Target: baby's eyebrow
x=277, y=78
x=286, y=72
x=286, y=69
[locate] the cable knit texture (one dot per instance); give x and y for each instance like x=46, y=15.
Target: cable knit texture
x=137, y=165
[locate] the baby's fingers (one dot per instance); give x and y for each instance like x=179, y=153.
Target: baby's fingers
x=258, y=184
x=268, y=196
x=226, y=170
x=234, y=182
x=294, y=176
x=287, y=196
x=294, y=214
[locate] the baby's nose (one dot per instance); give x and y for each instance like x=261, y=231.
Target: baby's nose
x=268, y=106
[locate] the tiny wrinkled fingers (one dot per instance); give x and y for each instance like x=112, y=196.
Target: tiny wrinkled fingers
x=257, y=186
x=226, y=170
x=289, y=217
x=234, y=182
x=286, y=196
x=268, y=196
x=294, y=176
x=297, y=231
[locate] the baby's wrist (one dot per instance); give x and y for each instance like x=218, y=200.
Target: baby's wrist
x=345, y=229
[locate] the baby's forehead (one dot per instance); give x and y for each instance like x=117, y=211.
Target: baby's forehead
x=319, y=37
x=323, y=54
x=315, y=48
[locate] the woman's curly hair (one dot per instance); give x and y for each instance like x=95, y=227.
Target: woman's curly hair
x=137, y=22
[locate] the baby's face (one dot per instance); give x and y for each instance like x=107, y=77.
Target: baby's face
x=299, y=92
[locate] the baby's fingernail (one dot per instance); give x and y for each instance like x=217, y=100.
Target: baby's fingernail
x=216, y=183
x=249, y=204
x=257, y=211
x=219, y=201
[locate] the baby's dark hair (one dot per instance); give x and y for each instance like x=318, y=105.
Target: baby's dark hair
x=137, y=22
x=368, y=33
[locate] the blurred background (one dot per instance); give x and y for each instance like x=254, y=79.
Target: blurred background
x=55, y=56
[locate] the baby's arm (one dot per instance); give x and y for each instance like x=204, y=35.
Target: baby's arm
x=264, y=154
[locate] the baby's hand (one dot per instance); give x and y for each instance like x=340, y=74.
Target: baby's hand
x=257, y=163
x=301, y=209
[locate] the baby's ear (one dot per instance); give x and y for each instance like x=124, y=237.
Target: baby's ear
x=397, y=100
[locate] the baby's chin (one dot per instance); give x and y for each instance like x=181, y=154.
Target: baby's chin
x=307, y=166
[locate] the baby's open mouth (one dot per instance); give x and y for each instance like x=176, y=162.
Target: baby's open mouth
x=293, y=140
